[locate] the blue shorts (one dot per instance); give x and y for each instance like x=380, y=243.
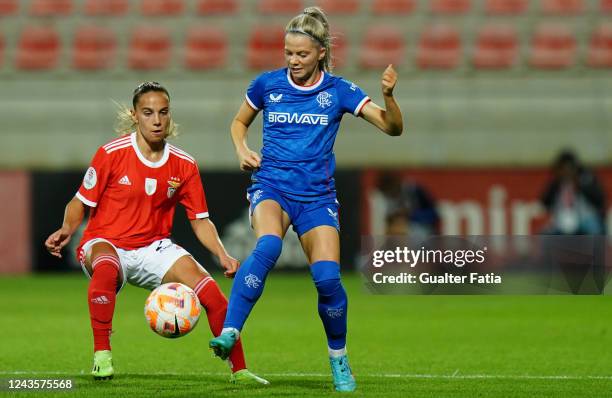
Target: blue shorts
x=304, y=216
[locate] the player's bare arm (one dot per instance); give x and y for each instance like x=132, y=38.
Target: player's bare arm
x=73, y=216
x=249, y=160
x=388, y=120
x=207, y=234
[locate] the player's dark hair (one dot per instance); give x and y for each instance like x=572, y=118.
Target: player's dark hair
x=125, y=123
x=312, y=22
x=147, y=87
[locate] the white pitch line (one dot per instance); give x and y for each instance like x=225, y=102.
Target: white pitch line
x=374, y=375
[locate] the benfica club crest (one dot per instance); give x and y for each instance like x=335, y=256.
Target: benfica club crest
x=173, y=184
x=150, y=186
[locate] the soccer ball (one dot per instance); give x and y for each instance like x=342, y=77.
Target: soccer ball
x=172, y=310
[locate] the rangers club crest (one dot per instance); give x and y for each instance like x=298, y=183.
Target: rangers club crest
x=324, y=99
x=173, y=184
x=150, y=186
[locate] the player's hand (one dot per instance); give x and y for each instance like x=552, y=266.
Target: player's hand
x=249, y=160
x=230, y=264
x=56, y=242
x=389, y=78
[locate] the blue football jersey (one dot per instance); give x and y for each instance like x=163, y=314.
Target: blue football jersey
x=300, y=124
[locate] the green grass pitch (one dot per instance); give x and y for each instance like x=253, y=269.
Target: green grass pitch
x=399, y=346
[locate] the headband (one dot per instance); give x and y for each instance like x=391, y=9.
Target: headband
x=303, y=32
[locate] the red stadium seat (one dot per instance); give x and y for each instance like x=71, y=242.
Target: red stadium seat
x=150, y=48
x=205, y=48
x=450, y=6
x=562, y=7
x=496, y=47
x=266, y=47
x=162, y=7
x=1, y=50
x=106, y=7
x=393, y=7
x=552, y=47
x=382, y=45
x=94, y=48
x=506, y=7
x=339, y=48
x=50, y=7
x=280, y=6
x=600, y=47
x=339, y=6
x=605, y=6
x=439, y=47
x=38, y=48
x=215, y=7
x=8, y=7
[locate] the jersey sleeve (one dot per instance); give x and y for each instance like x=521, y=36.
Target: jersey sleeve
x=192, y=197
x=255, y=92
x=352, y=98
x=95, y=179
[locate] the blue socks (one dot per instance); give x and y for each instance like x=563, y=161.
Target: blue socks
x=332, y=302
x=250, y=278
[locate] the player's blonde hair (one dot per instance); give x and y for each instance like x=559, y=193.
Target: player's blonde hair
x=125, y=124
x=312, y=22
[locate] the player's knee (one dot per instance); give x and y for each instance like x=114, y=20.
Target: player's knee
x=326, y=276
x=268, y=249
x=106, y=273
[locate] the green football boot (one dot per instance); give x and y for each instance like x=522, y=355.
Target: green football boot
x=103, y=365
x=246, y=377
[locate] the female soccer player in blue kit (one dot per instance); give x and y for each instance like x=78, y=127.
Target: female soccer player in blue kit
x=293, y=181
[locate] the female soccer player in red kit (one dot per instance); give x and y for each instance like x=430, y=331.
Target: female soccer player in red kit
x=132, y=188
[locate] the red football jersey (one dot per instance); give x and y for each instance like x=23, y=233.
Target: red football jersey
x=132, y=199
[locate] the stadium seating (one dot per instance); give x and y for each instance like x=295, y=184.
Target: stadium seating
x=162, y=7
x=106, y=7
x=149, y=48
x=496, y=47
x=8, y=7
x=216, y=7
x=393, y=7
x=605, y=6
x=50, y=7
x=266, y=47
x=450, y=6
x=506, y=7
x=94, y=48
x=553, y=46
x=280, y=6
x=382, y=45
x=599, y=53
x=439, y=47
x=340, y=47
x=205, y=48
x=38, y=48
x=562, y=7
x=339, y=7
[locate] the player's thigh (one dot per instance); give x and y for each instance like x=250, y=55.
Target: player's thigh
x=270, y=219
x=185, y=270
x=321, y=243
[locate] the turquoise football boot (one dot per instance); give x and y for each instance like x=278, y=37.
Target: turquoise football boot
x=341, y=372
x=222, y=345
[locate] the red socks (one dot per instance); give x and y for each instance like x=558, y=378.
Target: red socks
x=215, y=304
x=101, y=297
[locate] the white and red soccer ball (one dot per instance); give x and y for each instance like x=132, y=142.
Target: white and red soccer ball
x=172, y=310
